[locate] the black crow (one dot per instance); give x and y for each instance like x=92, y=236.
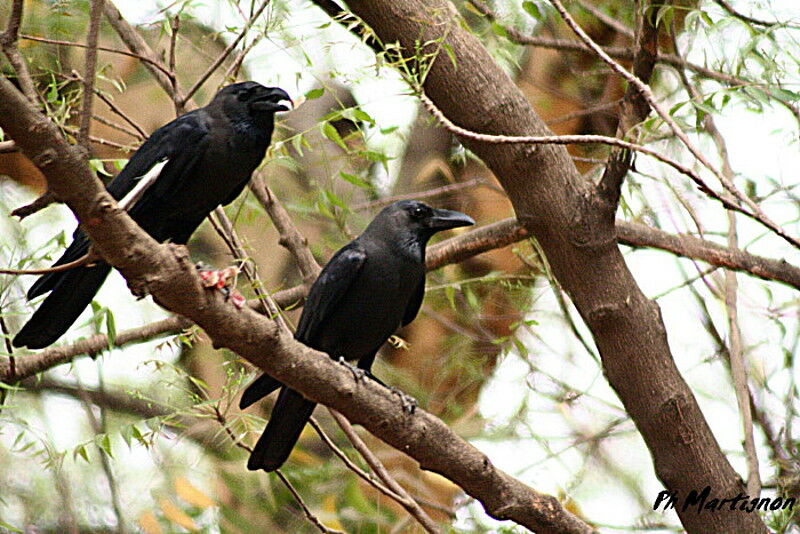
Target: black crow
x=369, y=289
x=186, y=169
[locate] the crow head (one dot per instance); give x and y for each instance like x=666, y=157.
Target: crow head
x=253, y=99
x=414, y=220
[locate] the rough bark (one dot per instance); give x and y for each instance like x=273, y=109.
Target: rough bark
x=575, y=227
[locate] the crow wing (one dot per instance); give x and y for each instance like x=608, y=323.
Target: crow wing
x=334, y=281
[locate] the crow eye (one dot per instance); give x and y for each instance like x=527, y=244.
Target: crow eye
x=418, y=212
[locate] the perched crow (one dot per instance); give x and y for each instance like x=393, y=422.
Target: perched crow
x=370, y=288
x=184, y=170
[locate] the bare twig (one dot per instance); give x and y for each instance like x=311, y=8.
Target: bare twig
x=124, y=116
x=310, y=516
x=37, y=205
x=86, y=259
x=436, y=192
x=406, y=500
x=735, y=349
x=218, y=415
x=724, y=4
x=145, y=59
x=367, y=477
x=136, y=44
x=585, y=139
x=217, y=62
x=225, y=229
x=290, y=236
x=757, y=213
x=609, y=21
x=118, y=127
x=8, y=42
x=90, y=68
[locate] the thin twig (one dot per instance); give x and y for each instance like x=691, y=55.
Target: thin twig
x=582, y=139
x=431, y=193
x=124, y=116
x=89, y=70
x=218, y=415
x=136, y=44
x=407, y=501
x=758, y=22
x=225, y=229
x=735, y=349
x=8, y=42
x=118, y=127
x=86, y=259
x=311, y=517
x=609, y=21
x=217, y=62
x=757, y=213
x=140, y=57
x=290, y=237
x=368, y=477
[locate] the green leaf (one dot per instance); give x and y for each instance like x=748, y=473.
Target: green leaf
x=315, y=93
x=104, y=442
x=355, y=180
x=97, y=167
x=330, y=132
x=532, y=10
x=499, y=30
x=81, y=451
x=449, y=51
x=111, y=328
x=389, y=129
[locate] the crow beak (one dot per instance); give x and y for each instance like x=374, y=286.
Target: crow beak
x=446, y=219
x=282, y=105
x=285, y=105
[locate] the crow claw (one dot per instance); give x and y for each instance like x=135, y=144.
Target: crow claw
x=407, y=402
x=358, y=374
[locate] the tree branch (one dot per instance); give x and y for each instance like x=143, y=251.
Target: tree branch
x=8, y=42
x=166, y=272
x=85, y=120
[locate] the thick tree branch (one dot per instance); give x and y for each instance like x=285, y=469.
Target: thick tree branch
x=166, y=272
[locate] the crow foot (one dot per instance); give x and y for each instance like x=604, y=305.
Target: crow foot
x=407, y=402
x=358, y=373
x=224, y=281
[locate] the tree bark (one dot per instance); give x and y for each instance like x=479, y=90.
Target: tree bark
x=575, y=227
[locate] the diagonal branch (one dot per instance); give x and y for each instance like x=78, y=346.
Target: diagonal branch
x=8, y=42
x=166, y=272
